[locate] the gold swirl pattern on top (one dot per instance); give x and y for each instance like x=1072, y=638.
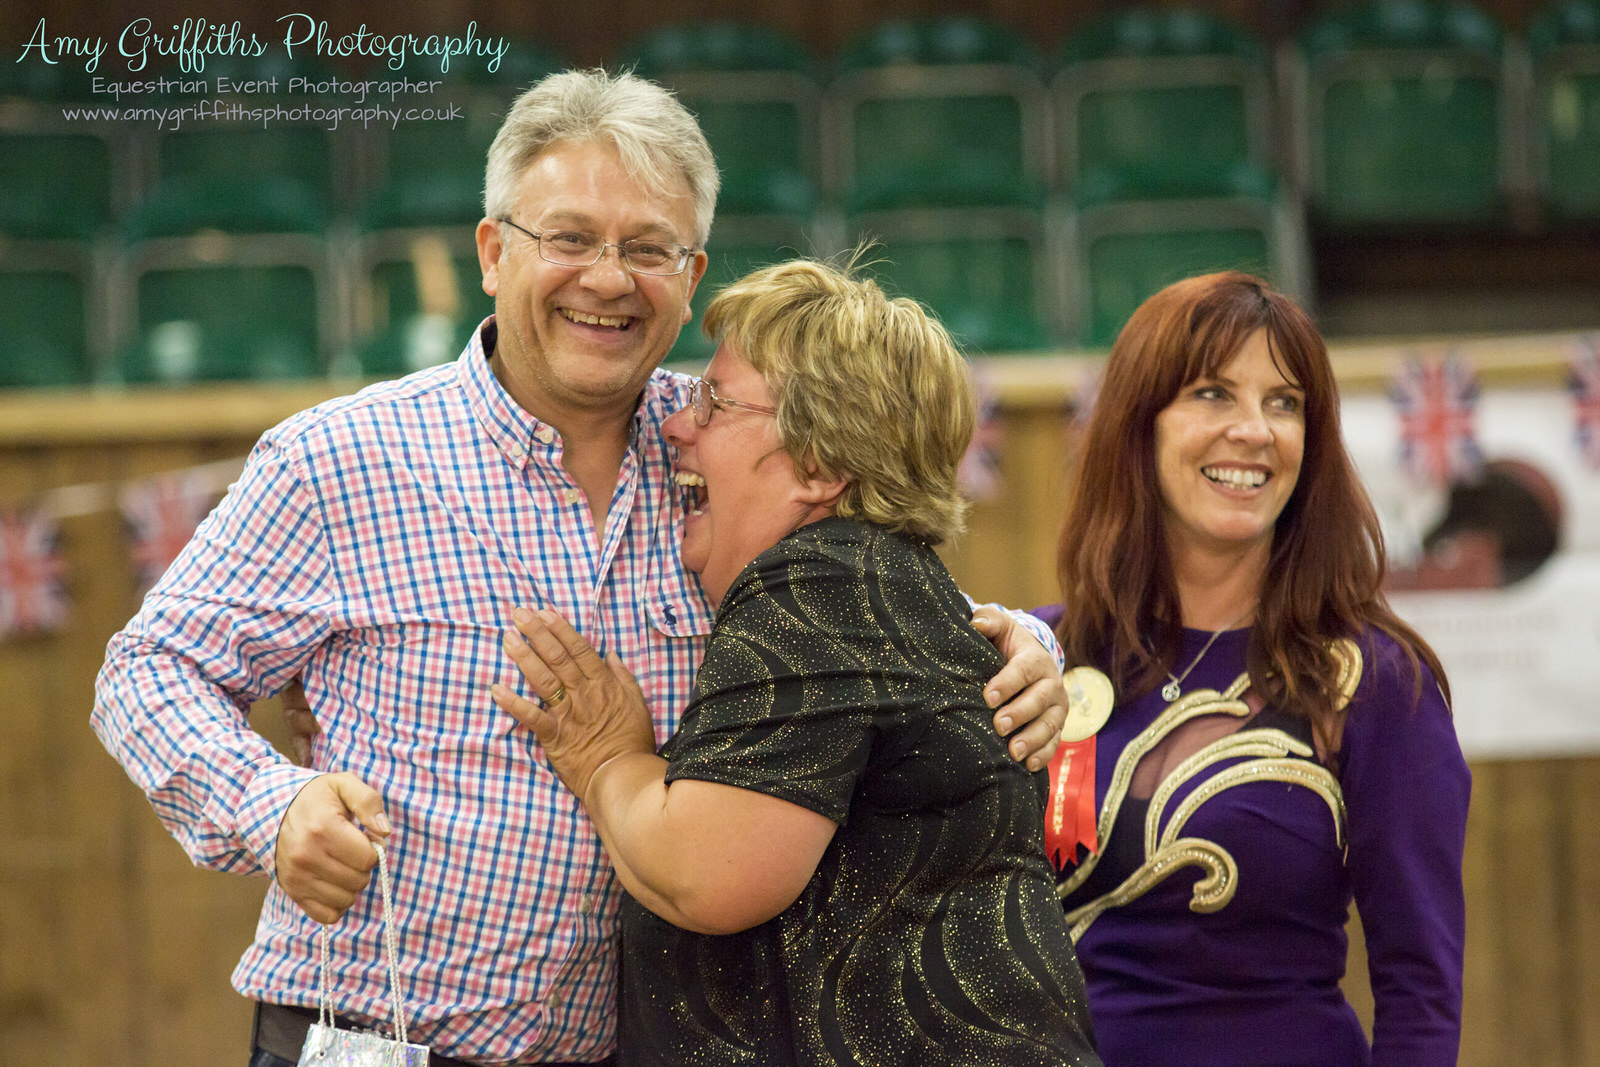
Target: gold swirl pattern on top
x=1348, y=655
x=1263, y=754
x=1211, y=893
x=1189, y=706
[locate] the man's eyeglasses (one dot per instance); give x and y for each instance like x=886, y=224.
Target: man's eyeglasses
x=575, y=248
x=704, y=400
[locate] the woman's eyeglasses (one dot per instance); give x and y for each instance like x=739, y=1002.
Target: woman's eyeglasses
x=705, y=401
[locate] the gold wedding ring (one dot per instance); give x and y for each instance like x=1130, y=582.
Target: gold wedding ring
x=557, y=697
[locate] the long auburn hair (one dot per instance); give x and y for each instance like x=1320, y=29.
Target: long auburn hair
x=1327, y=563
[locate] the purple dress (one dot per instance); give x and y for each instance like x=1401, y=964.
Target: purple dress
x=1211, y=932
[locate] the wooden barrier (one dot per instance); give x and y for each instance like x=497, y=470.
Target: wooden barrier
x=113, y=949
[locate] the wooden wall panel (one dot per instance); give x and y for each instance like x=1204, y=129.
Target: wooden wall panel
x=1529, y=910
x=1483, y=1012
x=1581, y=804
x=113, y=948
x=1008, y=550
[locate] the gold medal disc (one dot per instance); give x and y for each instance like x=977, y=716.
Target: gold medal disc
x=1089, y=701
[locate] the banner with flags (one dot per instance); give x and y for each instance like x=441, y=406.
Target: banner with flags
x=1584, y=383
x=979, y=474
x=1504, y=563
x=33, y=585
x=162, y=513
x=1436, y=394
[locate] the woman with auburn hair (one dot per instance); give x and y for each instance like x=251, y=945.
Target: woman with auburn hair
x=1256, y=738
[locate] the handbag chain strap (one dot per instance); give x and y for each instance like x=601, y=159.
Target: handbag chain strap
x=396, y=1006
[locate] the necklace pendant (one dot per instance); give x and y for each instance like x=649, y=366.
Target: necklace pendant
x=1171, y=692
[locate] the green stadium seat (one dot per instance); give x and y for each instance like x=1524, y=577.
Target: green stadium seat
x=1172, y=101
x=298, y=154
x=179, y=207
x=985, y=272
x=448, y=197
x=54, y=185
x=420, y=294
x=224, y=151
x=226, y=279
x=33, y=81
x=431, y=173
x=61, y=184
x=43, y=328
x=1125, y=252
x=1402, y=120
x=938, y=113
x=755, y=94
x=738, y=246
x=1564, y=45
x=1165, y=143
x=417, y=289
x=226, y=323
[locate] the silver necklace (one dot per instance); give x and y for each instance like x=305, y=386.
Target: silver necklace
x=1174, y=688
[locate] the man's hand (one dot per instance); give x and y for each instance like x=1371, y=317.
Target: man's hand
x=298, y=718
x=324, y=857
x=1031, y=703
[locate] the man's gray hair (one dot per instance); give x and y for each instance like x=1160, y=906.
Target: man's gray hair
x=656, y=136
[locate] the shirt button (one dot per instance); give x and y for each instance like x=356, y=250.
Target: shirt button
x=515, y=452
x=545, y=434
x=554, y=999
x=572, y=496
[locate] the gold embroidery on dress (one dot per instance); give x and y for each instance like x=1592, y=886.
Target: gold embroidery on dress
x=1211, y=893
x=1267, y=754
x=1189, y=706
x=1348, y=655
x=1253, y=744
x=1295, y=772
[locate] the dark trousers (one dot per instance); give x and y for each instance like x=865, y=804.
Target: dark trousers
x=263, y=1058
x=285, y=1029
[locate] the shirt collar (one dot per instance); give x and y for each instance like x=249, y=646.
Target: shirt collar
x=516, y=433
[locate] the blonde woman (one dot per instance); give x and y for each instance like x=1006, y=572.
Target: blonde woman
x=834, y=860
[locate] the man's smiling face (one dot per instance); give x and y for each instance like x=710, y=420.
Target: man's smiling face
x=585, y=337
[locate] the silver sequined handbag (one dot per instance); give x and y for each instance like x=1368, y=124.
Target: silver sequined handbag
x=328, y=1046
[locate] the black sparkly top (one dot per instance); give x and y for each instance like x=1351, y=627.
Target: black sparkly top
x=843, y=675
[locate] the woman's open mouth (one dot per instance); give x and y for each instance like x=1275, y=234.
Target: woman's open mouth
x=693, y=487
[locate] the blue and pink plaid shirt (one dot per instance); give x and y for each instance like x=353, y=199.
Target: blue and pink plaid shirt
x=376, y=544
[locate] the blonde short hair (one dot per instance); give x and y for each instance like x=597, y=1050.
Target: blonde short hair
x=868, y=388
x=657, y=137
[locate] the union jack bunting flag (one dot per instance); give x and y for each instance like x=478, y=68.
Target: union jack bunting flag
x=1584, y=381
x=1436, y=395
x=162, y=513
x=33, y=587
x=979, y=473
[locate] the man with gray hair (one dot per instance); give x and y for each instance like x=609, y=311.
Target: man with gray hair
x=376, y=546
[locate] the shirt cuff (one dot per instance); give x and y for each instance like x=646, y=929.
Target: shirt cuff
x=1040, y=629
x=265, y=802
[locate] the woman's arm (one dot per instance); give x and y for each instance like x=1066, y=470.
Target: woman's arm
x=1406, y=787
x=708, y=857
